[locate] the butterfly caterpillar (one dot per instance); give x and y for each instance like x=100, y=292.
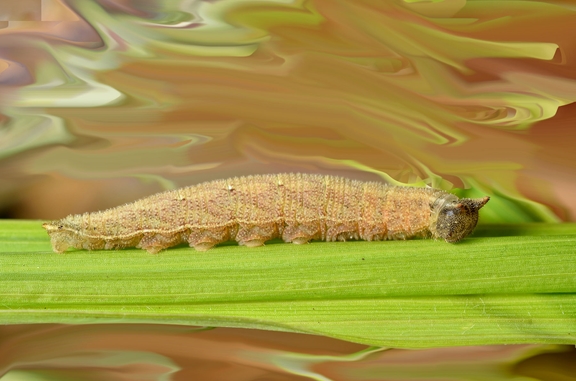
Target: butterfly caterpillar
x=252, y=210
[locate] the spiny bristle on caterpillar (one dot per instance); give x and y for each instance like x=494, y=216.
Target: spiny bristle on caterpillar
x=251, y=210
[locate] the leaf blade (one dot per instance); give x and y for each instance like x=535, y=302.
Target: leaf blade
x=405, y=293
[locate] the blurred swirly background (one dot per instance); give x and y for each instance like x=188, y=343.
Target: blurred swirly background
x=106, y=101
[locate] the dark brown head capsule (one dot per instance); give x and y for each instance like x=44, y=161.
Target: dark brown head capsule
x=457, y=219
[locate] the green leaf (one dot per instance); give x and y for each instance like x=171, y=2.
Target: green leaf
x=506, y=284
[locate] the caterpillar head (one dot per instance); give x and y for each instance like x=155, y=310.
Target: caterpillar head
x=457, y=219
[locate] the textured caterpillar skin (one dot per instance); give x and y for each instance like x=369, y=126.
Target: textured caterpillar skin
x=254, y=209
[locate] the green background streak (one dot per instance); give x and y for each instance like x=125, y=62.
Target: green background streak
x=506, y=284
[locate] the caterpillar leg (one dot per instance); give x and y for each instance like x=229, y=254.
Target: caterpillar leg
x=203, y=240
x=62, y=240
x=253, y=243
x=342, y=232
x=373, y=233
x=92, y=244
x=254, y=236
x=59, y=245
x=154, y=243
x=301, y=233
x=120, y=243
x=79, y=241
x=347, y=236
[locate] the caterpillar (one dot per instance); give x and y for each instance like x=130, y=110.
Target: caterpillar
x=252, y=210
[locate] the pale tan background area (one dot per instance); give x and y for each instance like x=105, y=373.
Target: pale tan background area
x=116, y=100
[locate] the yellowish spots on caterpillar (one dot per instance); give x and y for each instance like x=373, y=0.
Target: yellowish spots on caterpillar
x=252, y=210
